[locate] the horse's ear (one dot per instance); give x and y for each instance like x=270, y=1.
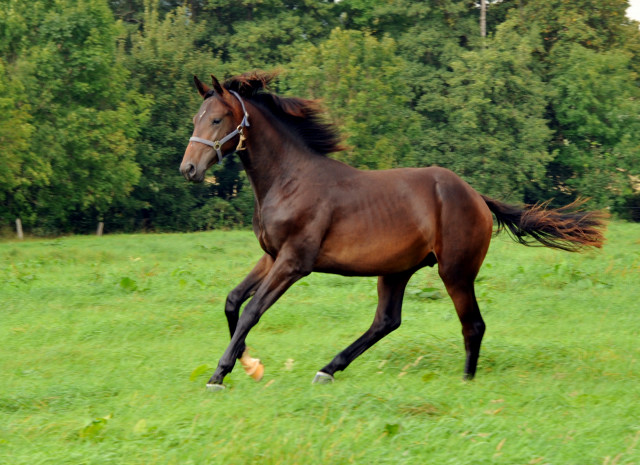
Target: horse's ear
x=216, y=85
x=202, y=88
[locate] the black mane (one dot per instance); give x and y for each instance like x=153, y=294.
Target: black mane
x=302, y=117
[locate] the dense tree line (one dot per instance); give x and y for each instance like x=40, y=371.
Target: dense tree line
x=96, y=99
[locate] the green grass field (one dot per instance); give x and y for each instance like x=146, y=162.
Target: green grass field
x=106, y=345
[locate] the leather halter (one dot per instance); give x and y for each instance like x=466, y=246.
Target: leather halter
x=217, y=144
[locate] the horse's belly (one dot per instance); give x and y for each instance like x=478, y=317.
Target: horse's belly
x=371, y=255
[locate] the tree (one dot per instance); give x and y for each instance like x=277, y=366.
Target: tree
x=591, y=62
x=163, y=57
x=95, y=113
x=86, y=120
x=596, y=106
x=483, y=18
x=482, y=102
x=590, y=23
x=248, y=34
x=360, y=80
x=15, y=132
x=487, y=121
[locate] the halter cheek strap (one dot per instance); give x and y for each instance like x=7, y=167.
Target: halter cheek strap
x=217, y=144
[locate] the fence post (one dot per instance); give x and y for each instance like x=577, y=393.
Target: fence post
x=100, y=228
x=19, y=229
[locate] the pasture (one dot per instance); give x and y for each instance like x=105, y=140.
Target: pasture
x=106, y=345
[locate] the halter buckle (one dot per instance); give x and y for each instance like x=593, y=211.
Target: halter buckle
x=240, y=145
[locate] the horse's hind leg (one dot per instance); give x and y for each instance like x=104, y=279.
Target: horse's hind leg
x=388, y=317
x=473, y=327
x=461, y=248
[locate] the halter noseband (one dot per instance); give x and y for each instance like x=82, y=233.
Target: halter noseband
x=217, y=144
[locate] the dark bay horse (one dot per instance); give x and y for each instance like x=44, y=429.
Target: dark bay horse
x=313, y=213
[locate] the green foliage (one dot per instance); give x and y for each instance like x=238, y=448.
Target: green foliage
x=96, y=100
x=86, y=120
x=590, y=23
x=95, y=428
x=590, y=63
x=15, y=131
x=489, y=113
x=596, y=105
x=263, y=33
x=96, y=374
x=162, y=61
x=360, y=80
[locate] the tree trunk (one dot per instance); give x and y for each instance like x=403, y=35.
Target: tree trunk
x=19, y=229
x=483, y=18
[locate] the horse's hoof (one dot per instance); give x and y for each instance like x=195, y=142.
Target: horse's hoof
x=258, y=373
x=323, y=378
x=215, y=387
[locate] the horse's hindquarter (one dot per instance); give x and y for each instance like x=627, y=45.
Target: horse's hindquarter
x=465, y=225
x=382, y=222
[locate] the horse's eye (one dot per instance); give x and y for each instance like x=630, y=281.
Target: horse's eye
x=216, y=121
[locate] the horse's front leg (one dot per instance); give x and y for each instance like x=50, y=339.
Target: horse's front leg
x=252, y=366
x=285, y=271
x=244, y=290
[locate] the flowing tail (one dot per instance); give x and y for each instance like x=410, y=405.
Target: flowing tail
x=566, y=228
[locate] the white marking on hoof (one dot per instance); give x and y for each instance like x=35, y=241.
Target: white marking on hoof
x=323, y=378
x=252, y=366
x=215, y=387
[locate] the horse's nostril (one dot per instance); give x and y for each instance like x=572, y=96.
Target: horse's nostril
x=188, y=170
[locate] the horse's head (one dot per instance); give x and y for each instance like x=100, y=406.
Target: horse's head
x=217, y=129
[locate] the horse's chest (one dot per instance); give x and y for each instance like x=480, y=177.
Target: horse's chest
x=266, y=244
x=286, y=222
x=269, y=235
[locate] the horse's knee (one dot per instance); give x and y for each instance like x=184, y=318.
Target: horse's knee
x=234, y=300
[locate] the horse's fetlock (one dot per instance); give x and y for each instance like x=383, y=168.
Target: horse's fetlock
x=387, y=325
x=393, y=324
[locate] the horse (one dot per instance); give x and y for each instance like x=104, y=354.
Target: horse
x=313, y=213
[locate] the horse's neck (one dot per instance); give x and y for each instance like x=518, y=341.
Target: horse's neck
x=272, y=159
